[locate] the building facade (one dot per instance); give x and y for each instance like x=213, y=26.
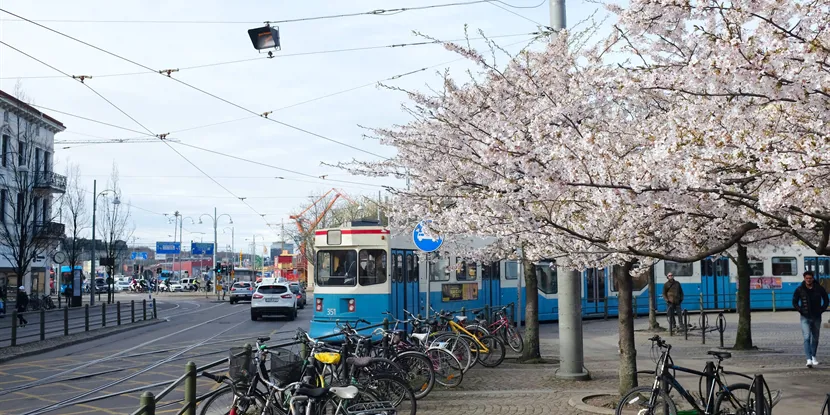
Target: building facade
x=30, y=231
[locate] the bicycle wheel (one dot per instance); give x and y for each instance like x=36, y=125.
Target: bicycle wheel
x=223, y=400
x=448, y=370
x=337, y=406
x=477, y=330
x=418, y=371
x=514, y=339
x=394, y=390
x=495, y=351
x=454, y=344
x=639, y=401
x=734, y=401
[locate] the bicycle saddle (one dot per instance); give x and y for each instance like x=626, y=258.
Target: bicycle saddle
x=359, y=361
x=719, y=355
x=263, y=339
x=345, y=392
x=328, y=358
x=461, y=319
x=420, y=336
x=312, y=392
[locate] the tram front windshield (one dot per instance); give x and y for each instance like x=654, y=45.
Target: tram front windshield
x=336, y=268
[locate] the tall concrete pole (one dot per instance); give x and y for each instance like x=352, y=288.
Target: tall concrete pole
x=215, y=248
x=571, y=353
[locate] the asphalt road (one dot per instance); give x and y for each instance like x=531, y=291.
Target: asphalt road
x=195, y=330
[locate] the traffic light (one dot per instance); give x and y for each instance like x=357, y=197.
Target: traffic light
x=135, y=268
x=158, y=270
x=218, y=268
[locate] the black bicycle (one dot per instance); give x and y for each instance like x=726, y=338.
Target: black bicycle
x=717, y=396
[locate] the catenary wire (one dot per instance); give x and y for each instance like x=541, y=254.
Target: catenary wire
x=495, y=3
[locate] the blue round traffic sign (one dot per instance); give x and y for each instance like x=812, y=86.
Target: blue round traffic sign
x=425, y=242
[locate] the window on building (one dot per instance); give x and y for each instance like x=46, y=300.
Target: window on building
x=511, y=270
x=372, y=266
x=38, y=153
x=678, y=269
x=465, y=271
x=19, y=211
x=21, y=150
x=47, y=162
x=546, y=277
x=36, y=209
x=756, y=267
x=4, y=200
x=5, y=116
x=336, y=268
x=44, y=210
x=784, y=266
x=5, y=149
x=439, y=268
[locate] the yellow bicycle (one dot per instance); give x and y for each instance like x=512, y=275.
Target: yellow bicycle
x=487, y=350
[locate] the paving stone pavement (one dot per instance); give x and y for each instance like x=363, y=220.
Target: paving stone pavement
x=515, y=388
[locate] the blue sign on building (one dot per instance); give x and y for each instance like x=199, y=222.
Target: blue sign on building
x=168, y=248
x=199, y=248
x=424, y=241
x=138, y=255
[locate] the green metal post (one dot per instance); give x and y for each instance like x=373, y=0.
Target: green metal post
x=132, y=311
x=144, y=308
x=773, y=301
x=103, y=314
x=155, y=310
x=86, y=317
x=148, y=403
x=118, y=312
x=66, y=321
x=42, y=324
x=14, y=327
x=190, y=389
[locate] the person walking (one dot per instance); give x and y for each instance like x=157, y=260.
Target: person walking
x=673, y=295
x=22, y=303
x=810, y=300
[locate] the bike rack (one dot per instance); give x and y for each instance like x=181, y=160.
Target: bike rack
x=721, y=326
x=759, y=388
x=685, y=314
x=825, y=410
x=704, y=322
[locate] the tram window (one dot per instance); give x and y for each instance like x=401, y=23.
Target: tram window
x=373, y=266
x=412, y=268
x=511, y=270
x=784, y=266
x=546, y=277
x=438, y=270
x=678, y=269
x=397, y=267
x=756, y=267
x=465, y=271
x=639, y=280
x=336, y=268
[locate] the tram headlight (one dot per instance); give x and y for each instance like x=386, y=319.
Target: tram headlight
x=319, y=304
x=351, y=305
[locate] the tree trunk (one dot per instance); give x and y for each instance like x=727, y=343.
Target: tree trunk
x=743, y=340
x=628, y=349
x=652, y=303
x=531, y=335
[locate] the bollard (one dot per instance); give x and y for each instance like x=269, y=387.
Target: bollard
x=147, y=403
x=605, y=310
x=155, y=310
x=672, y=318
x=701, y=303
x=103, y=314
x=132, y=311
x=721, y=325
x=190, y=388
x=685, y=314
x=42, y=324
x=59, y=300
x=773, y=301
x=118, y=313
x=14, y=327
x=144, y=308
x=86, y=317
x=704, y=322
x=66, y=321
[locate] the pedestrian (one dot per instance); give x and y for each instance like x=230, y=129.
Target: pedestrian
x=810, y=300
x=673, y=295
x=22, y=303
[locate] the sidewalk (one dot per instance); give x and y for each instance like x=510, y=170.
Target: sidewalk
x=516, y=388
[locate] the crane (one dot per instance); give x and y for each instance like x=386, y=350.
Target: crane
x=305, y=226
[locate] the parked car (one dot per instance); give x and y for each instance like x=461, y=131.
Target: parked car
x=242, y=290
x=189, y=284
x=298, y=290
x=270, y=299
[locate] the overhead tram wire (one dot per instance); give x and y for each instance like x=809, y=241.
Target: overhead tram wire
x=376, y=12
x=259, y=58
x=198, y=89
x=150, y=132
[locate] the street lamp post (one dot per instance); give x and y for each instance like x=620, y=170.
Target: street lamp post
x=232, y=245
x=215, y=220
x=115, y=201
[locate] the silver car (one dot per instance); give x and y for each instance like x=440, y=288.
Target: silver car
x=242, y=290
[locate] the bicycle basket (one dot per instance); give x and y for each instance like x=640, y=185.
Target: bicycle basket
x=372, y=408
x=241, y=367
x=286, y=366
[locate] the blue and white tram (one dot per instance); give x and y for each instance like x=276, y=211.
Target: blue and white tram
x=362, y=270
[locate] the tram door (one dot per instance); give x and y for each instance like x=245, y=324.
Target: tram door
x=595, y=291
x=404, y=283
x=491, y=284
x=821, y=267
x=714, y=283
x=412, y=272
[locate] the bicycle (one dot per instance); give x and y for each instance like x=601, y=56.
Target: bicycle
x=488, y=350
x=501, y=327
x=720, y=397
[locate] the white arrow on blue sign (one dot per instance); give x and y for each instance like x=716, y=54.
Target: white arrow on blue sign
x=424, y=241
x=138, y=255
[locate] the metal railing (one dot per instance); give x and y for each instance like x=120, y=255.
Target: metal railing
x=50, y=180
x=49, y=229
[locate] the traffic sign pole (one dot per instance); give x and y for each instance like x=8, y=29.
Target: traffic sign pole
x=426, y=244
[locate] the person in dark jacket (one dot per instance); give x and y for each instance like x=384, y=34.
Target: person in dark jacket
x=810, y=300
x=22, y=303
x=673, y=295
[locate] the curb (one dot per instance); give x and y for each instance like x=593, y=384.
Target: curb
x=578, y=402
x=74, y=339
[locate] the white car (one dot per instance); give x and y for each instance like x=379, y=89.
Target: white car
x=273, y=298
x=122, y=286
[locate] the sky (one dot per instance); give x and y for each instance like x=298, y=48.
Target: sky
x=306, y=85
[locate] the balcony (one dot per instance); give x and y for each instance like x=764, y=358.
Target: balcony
x=51, y=181
x=49, y=230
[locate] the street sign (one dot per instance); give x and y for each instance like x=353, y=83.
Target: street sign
x=199, y=248
x=425, y=242
x=161, y=257
x=138, y=255
x=168, y=248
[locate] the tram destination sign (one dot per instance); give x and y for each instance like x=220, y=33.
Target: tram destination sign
x=424, y=240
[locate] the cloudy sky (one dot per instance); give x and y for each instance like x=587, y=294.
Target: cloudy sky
x=308, y=84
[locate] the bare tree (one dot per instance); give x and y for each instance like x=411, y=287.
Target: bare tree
x=116, y=227
x=28, y=232
x=75, y=216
